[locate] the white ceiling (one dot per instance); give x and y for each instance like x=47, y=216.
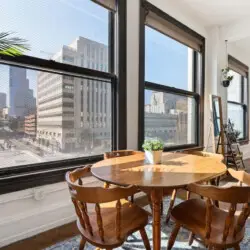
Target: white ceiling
x=243, y=43
x=232, y=16
x=218, y=12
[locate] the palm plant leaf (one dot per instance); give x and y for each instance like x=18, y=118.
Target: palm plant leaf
x=12, y=46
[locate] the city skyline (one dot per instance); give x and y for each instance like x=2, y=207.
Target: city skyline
x=48, y=35
x=67, y=125
x=73, y=117
x=94, y=26
x=93, y=19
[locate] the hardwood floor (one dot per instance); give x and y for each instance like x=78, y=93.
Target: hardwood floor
x=45, y=239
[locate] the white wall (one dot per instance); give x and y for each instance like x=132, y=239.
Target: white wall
x=32, y=211
x=133, y=8
x=22, y=215
x=215, y=61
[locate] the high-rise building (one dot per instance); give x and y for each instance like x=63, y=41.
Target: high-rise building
x=2, y=100
x=75, y=112
x=22, y=101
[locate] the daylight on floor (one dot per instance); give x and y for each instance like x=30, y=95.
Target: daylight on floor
x=124, y=124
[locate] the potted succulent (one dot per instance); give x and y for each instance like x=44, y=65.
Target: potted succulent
x=153, y=150
x=226, y=77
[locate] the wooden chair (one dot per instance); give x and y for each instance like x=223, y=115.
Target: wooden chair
x=220, y=157
x=205, y=154
x=104, y=218
x=242, y=176
x=174, y=193
x=120, y=153
x=217, y=228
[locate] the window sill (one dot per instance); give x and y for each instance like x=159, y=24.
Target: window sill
x=181, y=148
x=13, y=180
x=198, y=148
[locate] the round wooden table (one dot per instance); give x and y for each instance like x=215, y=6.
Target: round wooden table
x=176, y=170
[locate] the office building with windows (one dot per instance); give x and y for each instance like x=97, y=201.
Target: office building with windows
x=74, y=112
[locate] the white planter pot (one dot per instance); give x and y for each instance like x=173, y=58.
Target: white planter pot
x=153, y=157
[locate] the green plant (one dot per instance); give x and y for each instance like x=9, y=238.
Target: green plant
x=225, y=74
x=153, y=145
x=12, y=46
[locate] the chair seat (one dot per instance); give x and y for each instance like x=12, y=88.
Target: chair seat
x=191, y=214
x=133, y=218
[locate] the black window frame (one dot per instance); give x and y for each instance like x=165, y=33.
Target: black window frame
x=17, y=178
x=243, y=103
x=197, y=93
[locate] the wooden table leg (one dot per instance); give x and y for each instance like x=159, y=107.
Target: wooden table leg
x=156, y=198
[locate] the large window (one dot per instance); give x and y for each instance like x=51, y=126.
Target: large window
x=172, y=81
x=53, y=117
x=57, y=106
x=238, y=98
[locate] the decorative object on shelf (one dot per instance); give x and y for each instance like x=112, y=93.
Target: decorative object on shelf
x=226, y=77
x=233, y=154
x=233, y=133
x=153, y=150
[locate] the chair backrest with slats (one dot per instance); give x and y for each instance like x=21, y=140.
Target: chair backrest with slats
x=205, y=154
x=120, y=153
x=81, y=196
x=242, y=176
x=233, y=195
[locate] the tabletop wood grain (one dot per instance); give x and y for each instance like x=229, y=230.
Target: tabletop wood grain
x=176, y=170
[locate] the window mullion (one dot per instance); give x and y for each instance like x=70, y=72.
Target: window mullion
x=160, y=87
x=242, y=89
x=195, y=87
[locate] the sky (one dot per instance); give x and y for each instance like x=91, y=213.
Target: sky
x=47, y=25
